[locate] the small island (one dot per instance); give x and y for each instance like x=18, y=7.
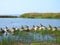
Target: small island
x=41, y=15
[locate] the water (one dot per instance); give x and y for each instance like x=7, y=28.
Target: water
x=30, y=37
x=17, y=22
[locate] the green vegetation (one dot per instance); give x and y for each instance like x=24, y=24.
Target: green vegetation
x=55, y=34
x=5, y=16
x=44, y=43
x=41, y=15
x=34, y=15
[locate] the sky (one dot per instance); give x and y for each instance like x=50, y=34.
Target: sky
x=15, y=7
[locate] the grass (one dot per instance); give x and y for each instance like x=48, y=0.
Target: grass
x=44, y=43
x=35, y=15
x=41, y=15
x=6, y=41
x=55, y=34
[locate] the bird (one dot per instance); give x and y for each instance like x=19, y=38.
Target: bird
x=42, y=27
x=22, y=28
x=1, y=30
x=6, y=29
x=26, y=28
x=12, y=30
x=54, y=28
x=49, y=27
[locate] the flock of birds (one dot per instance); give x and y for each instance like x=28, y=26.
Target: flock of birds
x=27, y=28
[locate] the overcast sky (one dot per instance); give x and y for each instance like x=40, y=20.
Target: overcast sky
x=24, y=6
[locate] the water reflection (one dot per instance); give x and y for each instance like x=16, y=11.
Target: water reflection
x=30, y=37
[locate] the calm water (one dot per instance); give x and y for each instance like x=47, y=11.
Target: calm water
x=30, y=37
x=17, y=22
